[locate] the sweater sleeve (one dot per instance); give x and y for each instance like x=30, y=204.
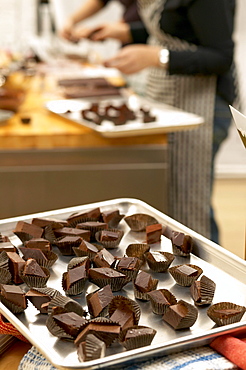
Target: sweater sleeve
x=212, y=25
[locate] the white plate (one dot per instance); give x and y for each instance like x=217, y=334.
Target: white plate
x=168, y=119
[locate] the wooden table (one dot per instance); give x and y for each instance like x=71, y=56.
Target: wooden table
x=12, y=357
x=54, y=163
x=47, y=130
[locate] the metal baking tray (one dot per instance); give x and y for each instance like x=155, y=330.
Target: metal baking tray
x=168, y=119
x=226, y=269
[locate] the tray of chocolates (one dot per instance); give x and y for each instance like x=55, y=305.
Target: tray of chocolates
x=124, y=115
x=102, y=284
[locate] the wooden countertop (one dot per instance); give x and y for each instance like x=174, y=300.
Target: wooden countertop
x=47, y=130
x=12, y=357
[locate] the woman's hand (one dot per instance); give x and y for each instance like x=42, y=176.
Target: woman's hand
x=134, y=58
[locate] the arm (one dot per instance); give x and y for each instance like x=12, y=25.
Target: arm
x=209, y=25
x=89, y=8
x=212, y=25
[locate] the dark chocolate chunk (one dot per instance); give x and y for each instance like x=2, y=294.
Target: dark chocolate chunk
x=14, y=294
x=91, y=349
x=99, y=300
x=124, y=317
x=38, y=299
x=38, y=243
x=16, y=264
x=34, y=253
x=106, y=331
x=103, y=258
x=73, y=275
x=70, y=231
x=144, y=282
x=182, y=241
x=108, y=235
x=187, y=270
x=26, y=231
x=70, y=322
x=104, y=273
x=153, y=233
x=32, y=268
x=7, y=247
x=93, y=214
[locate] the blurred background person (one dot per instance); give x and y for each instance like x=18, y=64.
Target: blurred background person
x=74, y=31
x=189, y=56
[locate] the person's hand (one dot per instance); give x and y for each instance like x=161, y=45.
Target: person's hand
x=67, y=31
x=134, y=58
x=118, y=30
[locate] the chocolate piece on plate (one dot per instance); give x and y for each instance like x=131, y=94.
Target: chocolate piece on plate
x=16, y=264
x=14, y=294
x=153, y=233
x=70, y=322
x=98, y=301
x=71, y=231
x=26, y=231
x=103, y=258
x=38, y=243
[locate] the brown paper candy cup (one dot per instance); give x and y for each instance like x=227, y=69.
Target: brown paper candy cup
x=5, y=276
x=92, y=349
x=137, y=250
x=23, y=236
x=160, y=308
x=56, y=330
x=110, y=244
x=139, y=221
x=65, y=302
x=76, y=288
x=80, y=253
x=182, y=279
x=103, y=313
x=79, y=220
x=121, y=301
x=107, y=338
x=161, y=266
x=51, y=259
x=4, y=260
x=207, y=289
x=49, y=233
x=144, y=296
x=66, y=247
x=116, y=284
x=226, y=318
x=36, y=281
x=51, y=292
x=11, y=306
x=185, y=322
x=141, y=340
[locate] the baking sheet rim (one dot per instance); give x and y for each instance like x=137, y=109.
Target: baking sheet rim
x=175, y=345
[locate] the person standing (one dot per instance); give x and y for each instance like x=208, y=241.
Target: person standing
x=189, y=55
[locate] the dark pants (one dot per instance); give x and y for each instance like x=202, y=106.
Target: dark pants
x=222, y=121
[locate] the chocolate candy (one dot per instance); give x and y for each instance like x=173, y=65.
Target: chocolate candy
x=70, y=322
x=16, y=264
x=99, y=300
x=153, y=233
x=38, y=243
x=14, y=294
